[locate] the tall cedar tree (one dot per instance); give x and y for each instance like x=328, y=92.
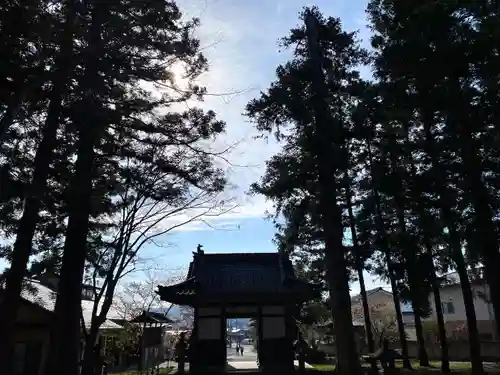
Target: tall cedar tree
x=296, y=176
x=455, y=112
x=375, y=217
x=35, y=191
x=398, y=186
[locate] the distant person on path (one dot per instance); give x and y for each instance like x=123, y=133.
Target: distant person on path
x=237, y=350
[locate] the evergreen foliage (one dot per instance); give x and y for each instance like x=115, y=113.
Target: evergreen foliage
x=415, y=153
x=396, y=175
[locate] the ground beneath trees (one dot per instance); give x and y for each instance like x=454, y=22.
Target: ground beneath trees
x=490, y=367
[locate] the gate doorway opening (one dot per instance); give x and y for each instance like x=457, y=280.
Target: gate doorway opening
x=241, y=343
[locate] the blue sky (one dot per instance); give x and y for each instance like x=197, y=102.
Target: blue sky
x=240, y=41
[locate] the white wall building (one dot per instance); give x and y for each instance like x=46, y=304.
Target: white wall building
x=453, y=306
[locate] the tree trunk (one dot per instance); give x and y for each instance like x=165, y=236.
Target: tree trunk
x=443, y=340
x=27, y=225
x=73, y=262
x=447, y=203
x=359, y=267
x=88, y=366
x=470, y=310
x=419, y=330
x=96, y=322
x=408, y=252
x=473, y=187
x=387, y=252
x=366, y=311
x=486, y=238
x=68, y=302
x=399, y=315
x=143, y=364
x=422, y=216
x=367, y=318
x=436, y=292
x=327, y=148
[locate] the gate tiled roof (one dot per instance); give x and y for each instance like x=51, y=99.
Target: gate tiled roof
x=237, y=274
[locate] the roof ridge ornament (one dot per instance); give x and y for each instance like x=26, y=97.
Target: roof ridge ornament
x=199, y=250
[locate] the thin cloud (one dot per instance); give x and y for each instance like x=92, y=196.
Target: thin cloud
x=240, y=42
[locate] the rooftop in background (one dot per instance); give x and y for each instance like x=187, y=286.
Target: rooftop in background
x=151, y=317
x=45, y=297
x=51, y=281
x=370, y=292
x=239, y=277
x=406, y=308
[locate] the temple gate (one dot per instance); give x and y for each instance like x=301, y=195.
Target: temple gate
x=232, y=285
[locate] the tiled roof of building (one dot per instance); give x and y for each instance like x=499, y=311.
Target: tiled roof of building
x=370, y=292
x=40, y=295
x=237, y=273
x=45, y=297
x=241, y=272
x=405, y=307
x=151, y=317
